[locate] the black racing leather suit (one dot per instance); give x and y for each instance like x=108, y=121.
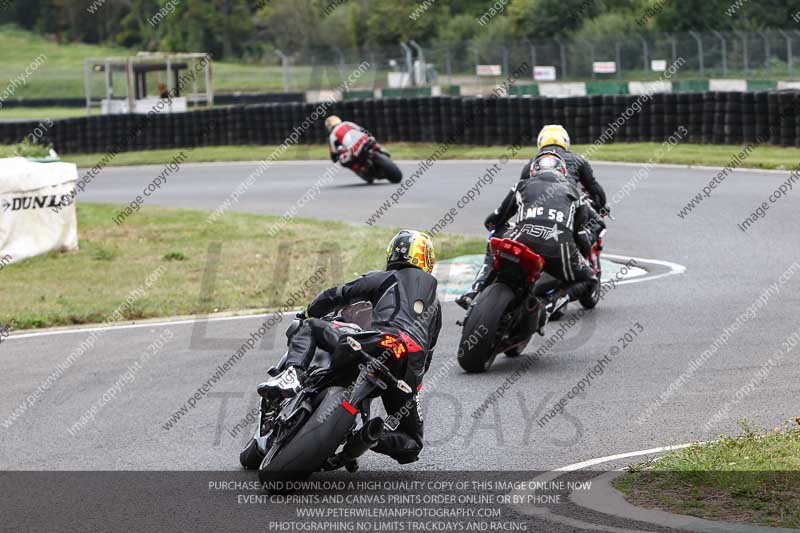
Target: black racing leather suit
x=404, y=299
x=587, y=231
x=579, y=171
x=546, y=212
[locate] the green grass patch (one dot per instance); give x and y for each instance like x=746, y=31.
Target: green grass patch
x=753, y=478
x=767, y=157
x=252, y=270
x=39, y=113
x=26, y=148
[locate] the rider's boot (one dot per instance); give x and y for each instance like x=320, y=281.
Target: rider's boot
x=576, y=290
x=285, y=385
x=466, y=299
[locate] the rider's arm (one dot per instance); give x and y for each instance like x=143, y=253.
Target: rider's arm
x=586, y=176
x=354, y=291
x=334, y=149
x=582, y=217
x=526, y=170
x=508, y=208
x=500, y=216
x=436, y=327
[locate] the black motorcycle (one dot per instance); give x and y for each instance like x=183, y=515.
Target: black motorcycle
x=327, y=425
x=517, y=302
x=371, y=162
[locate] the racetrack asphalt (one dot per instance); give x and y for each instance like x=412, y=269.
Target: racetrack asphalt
x=680, y=316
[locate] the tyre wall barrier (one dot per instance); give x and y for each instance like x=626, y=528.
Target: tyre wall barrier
x=716, y=117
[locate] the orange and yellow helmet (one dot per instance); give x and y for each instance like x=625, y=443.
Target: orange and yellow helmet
x=553, y=134
x=411, y=247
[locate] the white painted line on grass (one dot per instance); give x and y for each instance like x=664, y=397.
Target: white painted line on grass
x=134, y=326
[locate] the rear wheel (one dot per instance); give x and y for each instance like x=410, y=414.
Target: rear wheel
x=305, y=452
x=479, y=337
x=386, y=168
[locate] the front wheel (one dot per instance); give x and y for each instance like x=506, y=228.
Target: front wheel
x=305, y=452
x=476, y=350
x=386, y=168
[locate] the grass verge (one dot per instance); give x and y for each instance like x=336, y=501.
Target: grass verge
x=252, y=270
x=750, y=479
x=38, y=113
x=767, y=157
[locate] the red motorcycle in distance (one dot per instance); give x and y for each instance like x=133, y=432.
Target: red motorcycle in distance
x=367, y=158
x=518, y=302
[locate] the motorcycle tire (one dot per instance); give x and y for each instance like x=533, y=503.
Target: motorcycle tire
x=250, y=457
x=309, y=448
x=386, y=168
x=478, y=338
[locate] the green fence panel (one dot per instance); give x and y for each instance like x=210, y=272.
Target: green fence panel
x=451, y=90
x=607, y=87
x=524, y=89
x=407, y=92
x=690, y=86
x=761, y=85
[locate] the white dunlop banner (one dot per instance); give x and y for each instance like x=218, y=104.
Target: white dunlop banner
x=36, y=215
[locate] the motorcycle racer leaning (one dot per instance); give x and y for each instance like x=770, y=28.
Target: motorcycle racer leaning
x=553, y=138
x=404, y=303
x=550, y=218
x=342, y=137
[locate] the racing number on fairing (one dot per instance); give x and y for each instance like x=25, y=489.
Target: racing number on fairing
x=552, y=214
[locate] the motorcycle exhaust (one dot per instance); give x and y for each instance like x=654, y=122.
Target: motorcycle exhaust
x=531, y=317
x=362, y=441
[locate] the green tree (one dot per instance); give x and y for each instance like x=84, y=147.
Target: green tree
x=222, y=27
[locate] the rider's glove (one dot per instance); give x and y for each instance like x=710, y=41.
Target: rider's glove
x=491, y=220
x=302, y=315
x=344, y=155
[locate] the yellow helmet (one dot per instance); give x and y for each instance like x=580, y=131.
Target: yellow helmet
x=553, y=134
x=331, y=122
x=411, y=247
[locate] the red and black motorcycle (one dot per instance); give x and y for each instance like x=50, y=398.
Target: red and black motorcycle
x=367, y=158
x=518, y=302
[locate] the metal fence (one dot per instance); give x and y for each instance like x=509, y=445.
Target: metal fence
x=767, y=55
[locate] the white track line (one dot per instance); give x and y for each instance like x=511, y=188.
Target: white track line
x=134, y=326
x=546, y=514
x=608, y=458
x=674, y=268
